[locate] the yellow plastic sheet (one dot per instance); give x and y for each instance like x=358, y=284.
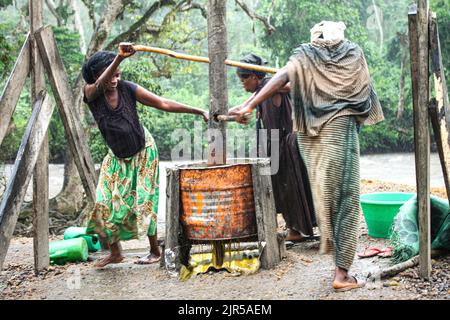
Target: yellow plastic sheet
x=244, y=262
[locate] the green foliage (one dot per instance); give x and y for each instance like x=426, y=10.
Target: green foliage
x=5, y=3
x=68, y=42
x=442, y=9
x=294, y=19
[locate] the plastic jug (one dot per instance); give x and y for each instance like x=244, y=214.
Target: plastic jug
x=92, y=240
x=72, y=250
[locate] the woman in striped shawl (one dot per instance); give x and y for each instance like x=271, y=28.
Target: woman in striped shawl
x=333, y=96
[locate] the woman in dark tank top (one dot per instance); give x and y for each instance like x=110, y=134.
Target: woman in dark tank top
x=128, y=187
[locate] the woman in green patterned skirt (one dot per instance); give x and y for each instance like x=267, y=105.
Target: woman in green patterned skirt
x=128, y=187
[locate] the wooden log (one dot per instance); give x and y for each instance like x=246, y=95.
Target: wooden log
x=423, y=141
x=22, y=171
x=69, y=116
x=13, y=88
x=395, y=269
x=218, y=97
x=273, y=247
x=40, y=175
x=402, y=266
x=440, y=110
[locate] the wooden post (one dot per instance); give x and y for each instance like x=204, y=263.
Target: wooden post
x=218, y=97
x=273, y=248
x=40, y=176
x=26, y=159
x=69, y=116
x=439, y=108
x=423, y=140
x=171, y=244
x=13, y=87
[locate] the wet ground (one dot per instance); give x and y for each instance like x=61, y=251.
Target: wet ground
x=304, y=274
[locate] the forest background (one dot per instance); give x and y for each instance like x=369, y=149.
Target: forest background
x=269, y=28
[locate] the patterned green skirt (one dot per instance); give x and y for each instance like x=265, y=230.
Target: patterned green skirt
x=127, y=195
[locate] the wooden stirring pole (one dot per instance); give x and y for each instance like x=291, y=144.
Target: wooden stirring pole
x=189, y=57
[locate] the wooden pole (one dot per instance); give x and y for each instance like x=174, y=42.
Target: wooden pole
x=218, y=97
x=26, y=159
x=13, y=88
x=423, y=141
x=273, y=248
x=40, y=176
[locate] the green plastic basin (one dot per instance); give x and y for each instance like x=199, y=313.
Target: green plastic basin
x=380, y=209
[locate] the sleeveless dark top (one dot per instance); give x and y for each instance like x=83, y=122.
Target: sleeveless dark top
x=292, y=192
x=120, y=127
x=273, y=117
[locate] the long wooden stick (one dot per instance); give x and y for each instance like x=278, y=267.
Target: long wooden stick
x=189, y=57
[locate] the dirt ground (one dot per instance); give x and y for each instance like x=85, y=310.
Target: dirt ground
x=304, y=274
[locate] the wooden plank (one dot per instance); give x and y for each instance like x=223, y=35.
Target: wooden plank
x=13, y=88
x=218, y=97
x=274, y=247
x=65, y=103
x=439, y=109
x=22, y=171
x=423, y=141
x=171, y=244
x=40, y=175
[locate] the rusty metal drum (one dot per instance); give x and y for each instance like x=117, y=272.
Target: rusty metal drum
x=217, y=202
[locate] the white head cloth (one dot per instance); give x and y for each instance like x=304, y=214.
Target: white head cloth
x=328, y=33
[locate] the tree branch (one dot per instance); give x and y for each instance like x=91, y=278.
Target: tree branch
x=90, y=6
x=194, y=5
x=133, y=32
x=52, y=8
x=254, y=15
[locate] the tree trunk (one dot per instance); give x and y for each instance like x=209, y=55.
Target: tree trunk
x=71, y=198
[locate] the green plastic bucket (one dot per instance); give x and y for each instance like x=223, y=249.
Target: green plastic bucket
x=380, y=209
x=72, y=250
x=92, y=240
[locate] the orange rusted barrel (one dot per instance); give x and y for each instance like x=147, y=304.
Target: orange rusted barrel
x=217, y=202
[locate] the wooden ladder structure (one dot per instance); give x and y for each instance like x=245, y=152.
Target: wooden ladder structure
x=39, y=55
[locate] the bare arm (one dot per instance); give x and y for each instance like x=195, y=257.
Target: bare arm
x=91, y=91
x=238, y=107
x=280, y=79
x=150, y=99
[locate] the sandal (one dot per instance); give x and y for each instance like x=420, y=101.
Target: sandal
x=385, y=253
x=369, y=252
x=341, y=287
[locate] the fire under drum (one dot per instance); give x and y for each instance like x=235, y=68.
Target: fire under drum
x=219, y=206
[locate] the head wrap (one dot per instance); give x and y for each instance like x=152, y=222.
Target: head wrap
x=328, y=33
x=252, y=59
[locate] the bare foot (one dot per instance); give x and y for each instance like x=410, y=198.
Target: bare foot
x=109, y=259
x=149, y=259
